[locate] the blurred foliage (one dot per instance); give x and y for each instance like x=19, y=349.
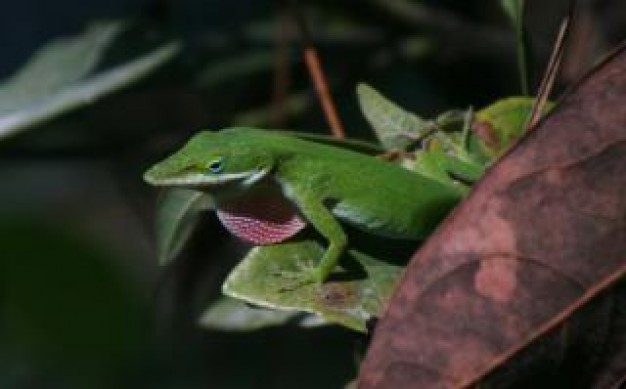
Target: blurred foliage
x=55, y=81
x=514, y=9
x=68, y=315
x=177, y=214
x=82, y=302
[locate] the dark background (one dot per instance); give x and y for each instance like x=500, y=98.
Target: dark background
x=82, y=301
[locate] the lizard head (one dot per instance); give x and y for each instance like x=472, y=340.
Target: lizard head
x=213, y=161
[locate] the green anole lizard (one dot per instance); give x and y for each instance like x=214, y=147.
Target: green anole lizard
x=268, y=185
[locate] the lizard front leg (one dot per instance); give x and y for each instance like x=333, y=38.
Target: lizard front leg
x=327, y=225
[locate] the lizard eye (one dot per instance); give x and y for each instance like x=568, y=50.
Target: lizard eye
x=216, y=166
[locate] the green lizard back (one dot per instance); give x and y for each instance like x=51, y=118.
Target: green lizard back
x=369, y=193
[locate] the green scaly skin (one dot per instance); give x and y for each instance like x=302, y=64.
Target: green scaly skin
x=326, y=183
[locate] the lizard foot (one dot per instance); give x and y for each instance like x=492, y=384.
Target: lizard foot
x=304, y=275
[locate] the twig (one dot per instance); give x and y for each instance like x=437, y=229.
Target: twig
x=552, y=70
x=311, y=58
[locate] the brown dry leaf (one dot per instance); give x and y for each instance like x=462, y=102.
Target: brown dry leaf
x=523, y=285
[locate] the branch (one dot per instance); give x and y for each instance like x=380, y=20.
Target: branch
x=313, y=63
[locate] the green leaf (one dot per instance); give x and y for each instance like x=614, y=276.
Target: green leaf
x=59, y=63
x=514, y=9
x=500, y=124
x=228, y=314
x=395, y=127
x=355, y=292
x=177, y=215
x=427, y=163
x=57, y=77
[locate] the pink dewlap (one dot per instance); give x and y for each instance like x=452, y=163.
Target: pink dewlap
x=262, y=219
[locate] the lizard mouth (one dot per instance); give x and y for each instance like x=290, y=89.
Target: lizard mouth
x=194, y=180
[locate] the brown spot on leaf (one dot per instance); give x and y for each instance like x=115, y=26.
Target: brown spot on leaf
x=497, y=279
x=337, y=295
x=485, y=132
